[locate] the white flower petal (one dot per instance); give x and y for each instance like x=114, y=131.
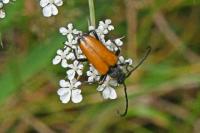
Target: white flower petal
x=89, y=73
x=79, y=72
x=110, y=27
x=129, y=61
x=118, y=42
x=121, y=59
x=70, y=26
x=1, y=5
x=64, y=83
x=108, y=43
x=71, y=66
x=63, y=31
x=5, y=1
x=101, y=28
x=64, y=63
x=105, y=31
x=71, y=74
x=74, y=41
x=2, y=14
x=47, y=11
x=56, y=60
x=63, y=91
x=108, y=21
x=106, y=93
x=70, y=37
x=44, y=3
x=66, y=51
x=80, y=66
x=59, y=52
x=76, y=96
x=101, y=87
x=78, y=83
x=113, y=94
x=70, y=56
x=66, y=97
x=54, y=9
x=58, y=2
x=113, y=82
x=97, y=78
x=91, y=28
x=91, y=79
x=75, y=63
x=75, y=31
x=101, y=23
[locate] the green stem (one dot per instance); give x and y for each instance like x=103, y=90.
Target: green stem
x=1, y=43
x=92, y=13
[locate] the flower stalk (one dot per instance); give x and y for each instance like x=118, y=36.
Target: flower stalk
x=1, y=42
x=92, y=13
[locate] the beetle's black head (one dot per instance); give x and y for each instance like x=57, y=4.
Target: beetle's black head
x=117, y=73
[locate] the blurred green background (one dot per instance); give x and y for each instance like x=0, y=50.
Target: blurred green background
x=164, y=95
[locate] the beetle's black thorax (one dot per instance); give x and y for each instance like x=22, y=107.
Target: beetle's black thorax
x=117, y=73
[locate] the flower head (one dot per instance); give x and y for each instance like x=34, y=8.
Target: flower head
x=118, y=42
x=71, y=42
x=69, y=89
x=80, y=53
x=2, y=11
x=50, y=7
x=69, y=31
x=121, y=60
x=110, y=45
x=93, y=75
x=105, y=26
x=62, y=56
x=107, y=88
x=76, y=67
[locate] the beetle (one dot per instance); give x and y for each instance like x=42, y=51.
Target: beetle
x=105, y=61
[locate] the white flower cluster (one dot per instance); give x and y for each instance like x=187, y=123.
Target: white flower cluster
x=69, y=89
x=50, y=7
x=2, y=11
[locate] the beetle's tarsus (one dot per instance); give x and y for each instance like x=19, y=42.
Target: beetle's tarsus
x=82, y=60
x=102, y=79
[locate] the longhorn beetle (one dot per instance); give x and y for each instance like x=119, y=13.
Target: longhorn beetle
x=105, y=61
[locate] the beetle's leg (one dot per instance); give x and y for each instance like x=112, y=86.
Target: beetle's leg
x=118, y=48
x=126, y=66
x=95, y=34
x=117, y=52
x=74, y=51
x=76, y=57
x=102, y=79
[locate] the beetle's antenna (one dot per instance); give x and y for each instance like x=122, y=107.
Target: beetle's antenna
x=141, y=61
x=126, y=106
